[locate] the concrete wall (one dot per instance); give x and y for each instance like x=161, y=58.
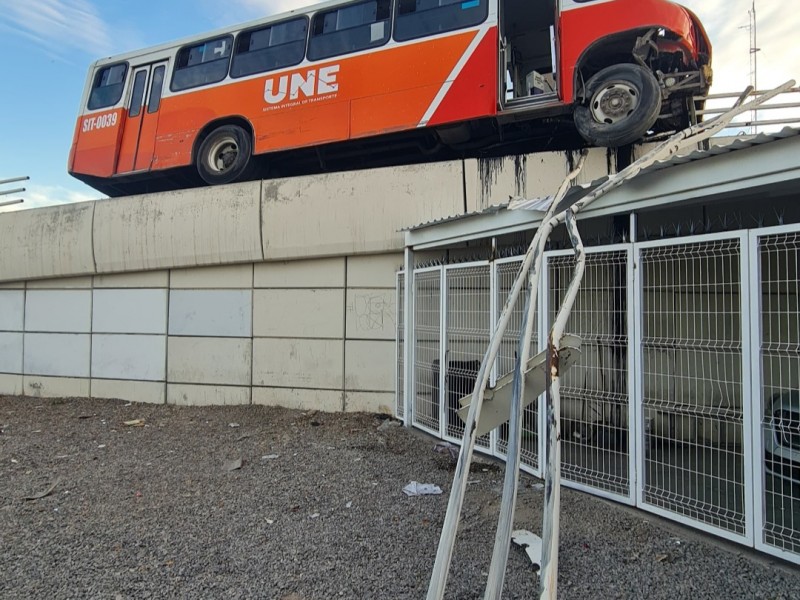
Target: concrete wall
x=316, y=333
x=273, y=292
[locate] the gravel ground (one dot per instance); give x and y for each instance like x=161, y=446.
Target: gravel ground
x=316, y=511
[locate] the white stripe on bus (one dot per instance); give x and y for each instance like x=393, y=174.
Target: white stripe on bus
x=459, y=66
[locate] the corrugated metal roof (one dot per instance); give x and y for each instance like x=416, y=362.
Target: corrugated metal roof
x=719, y=147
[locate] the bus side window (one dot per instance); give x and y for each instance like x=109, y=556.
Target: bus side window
x=420, y=18
x=155, y=89
x=108, y=86
x=202, y=63
x=269, y=48
x=350, y=28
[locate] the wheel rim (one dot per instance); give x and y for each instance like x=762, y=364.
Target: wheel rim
x=616, y=101
x=222, y=155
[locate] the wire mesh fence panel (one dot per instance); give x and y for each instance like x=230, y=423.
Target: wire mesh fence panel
x=778, y=464
x=400, y=391
x=427, y=335
x=529, y=445
x=692, y=390
x=467, y=330
x=595, y=399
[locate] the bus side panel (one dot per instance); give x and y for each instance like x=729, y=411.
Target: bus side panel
x=473, y=92
x=580, y=27
x=349, y=97
x=98, y=138
x=403, y=83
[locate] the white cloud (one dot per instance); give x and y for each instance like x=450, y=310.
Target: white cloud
x=36, y=196
x=58, y=26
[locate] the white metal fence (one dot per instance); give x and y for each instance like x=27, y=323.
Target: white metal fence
x=685, y=400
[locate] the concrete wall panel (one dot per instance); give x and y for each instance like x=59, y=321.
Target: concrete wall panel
x=185, y=228
x=38, y=386
x=492, y=181
x=207, y=395
x=298, y=313
x=47, y=242
x=10, y=385
x=319, y=273
x=12, y=310
x=137, y=357
x=146, y=279
x=129, y=311
x=371, y=314
x=222, y=361
x=371, y=402
x=323, y=400
x=57, y=354
x=14, y=285
x=374, y=271
x=149, y=392
x=62, y=283
x=370, y=366
x=225, y=313
x=66, y=311
x=228, y=276
x=339, y=214
x=298, y=363
x=10, y=352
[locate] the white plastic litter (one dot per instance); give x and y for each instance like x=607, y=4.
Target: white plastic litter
x=421, y=489
x=532, y=544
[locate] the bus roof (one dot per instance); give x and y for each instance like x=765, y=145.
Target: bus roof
x=160, y=48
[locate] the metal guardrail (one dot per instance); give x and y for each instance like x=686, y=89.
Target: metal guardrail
x=788, y=101
x=12, y=191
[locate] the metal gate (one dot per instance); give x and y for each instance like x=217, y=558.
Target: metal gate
x=775, y=281
x=693, y=351
x=596, y=393
x=426, y=349
x=468, y=327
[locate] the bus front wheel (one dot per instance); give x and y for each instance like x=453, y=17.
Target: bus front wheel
x=622, y=104
x=224, y=155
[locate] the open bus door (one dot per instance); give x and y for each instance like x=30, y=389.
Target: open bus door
x=139, y=136
x=527, y=52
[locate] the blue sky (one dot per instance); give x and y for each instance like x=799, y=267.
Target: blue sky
x=47, y=45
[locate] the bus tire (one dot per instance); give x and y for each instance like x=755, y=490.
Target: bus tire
x=224, y=155
x=622, y=104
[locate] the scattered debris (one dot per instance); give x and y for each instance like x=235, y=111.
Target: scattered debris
x=101, y=446
x=243, y=437
x=421, y=489
x=233, y=465
x=388, y=424
x=349, y=504
x=86, y=416
x=15, y=461
x=270, y=456
x=314, y=516
x=234, y=425
x=538, y=486
x=270, y=521
x=46, y=492
x=532, y=544
x=661, y=557
x=315, y=423
x=134, y=423
x=446, y=448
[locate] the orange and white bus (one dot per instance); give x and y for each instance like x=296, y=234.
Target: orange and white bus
x=364, y=79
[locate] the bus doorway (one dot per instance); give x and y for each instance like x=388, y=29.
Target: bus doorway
x=138, y=141
x=527, y=52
